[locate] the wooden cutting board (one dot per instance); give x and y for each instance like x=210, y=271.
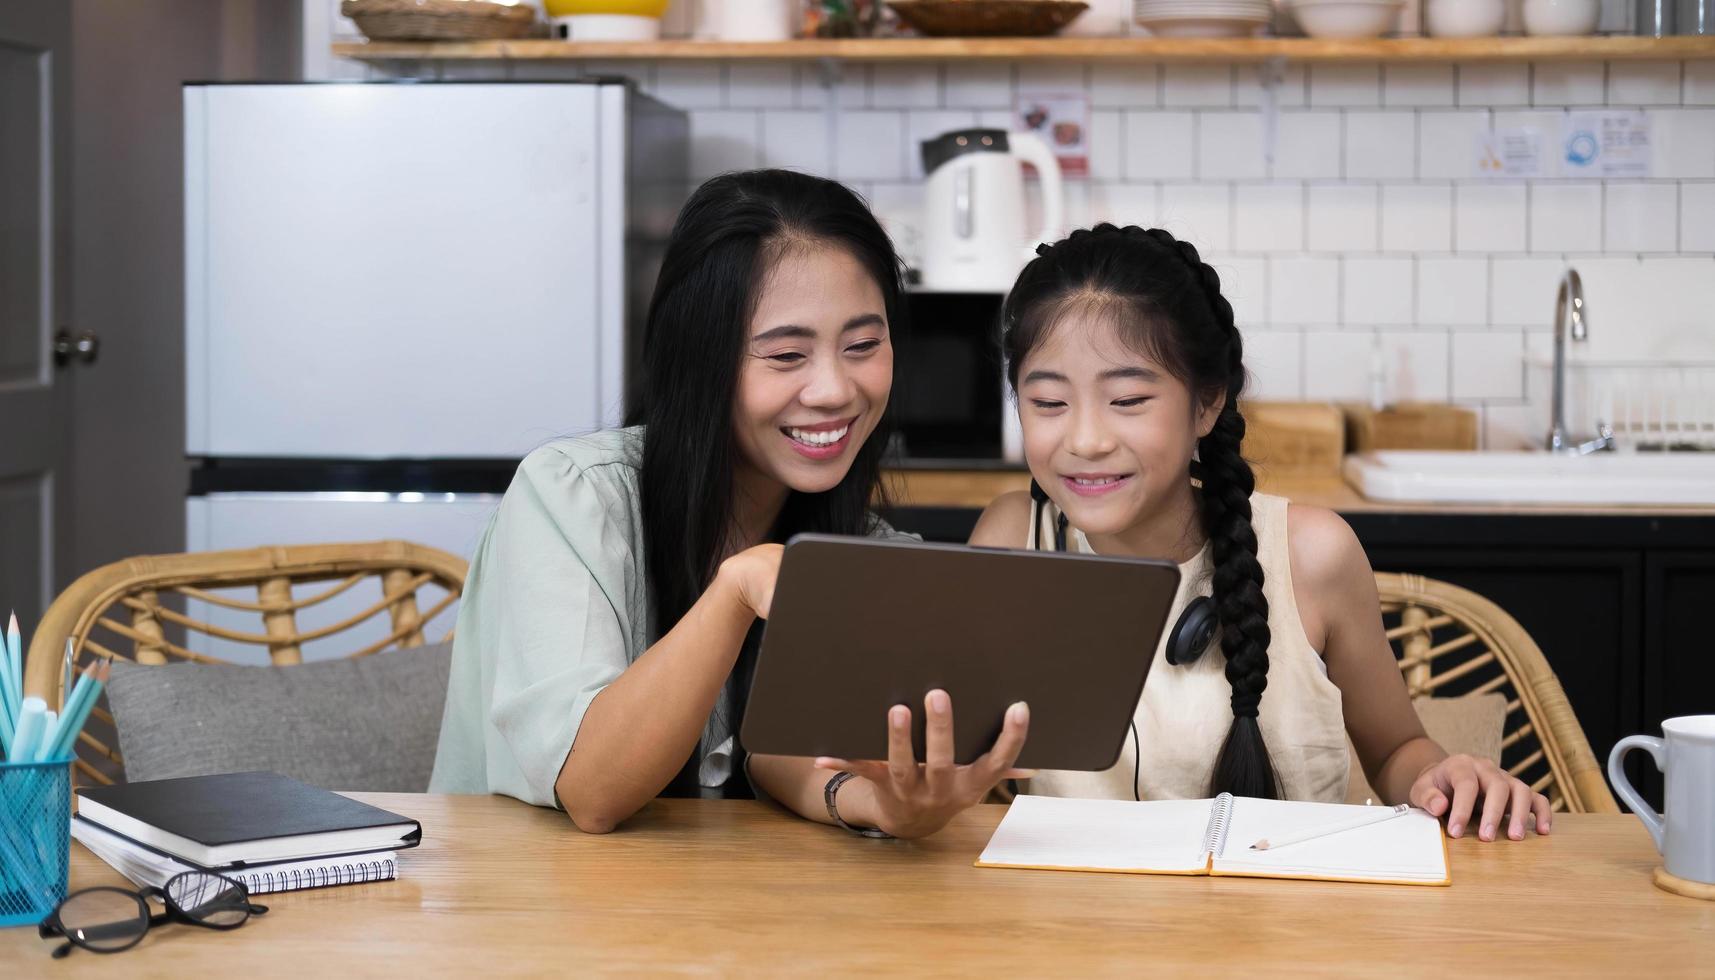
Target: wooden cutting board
x=1294, y=438
x=1409, y=425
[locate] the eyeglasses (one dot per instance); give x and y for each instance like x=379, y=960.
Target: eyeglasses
x=109, y=920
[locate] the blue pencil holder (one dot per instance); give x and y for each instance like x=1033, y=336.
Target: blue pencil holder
x=35, y=839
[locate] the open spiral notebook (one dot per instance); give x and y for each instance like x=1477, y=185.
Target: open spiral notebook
x=1214, y=837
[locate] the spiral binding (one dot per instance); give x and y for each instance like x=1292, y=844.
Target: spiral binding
x=350, y=873
x=1220, y=815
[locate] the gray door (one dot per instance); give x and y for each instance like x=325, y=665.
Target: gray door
x=35, y=449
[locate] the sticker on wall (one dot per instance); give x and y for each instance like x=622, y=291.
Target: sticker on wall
x=1606, y=144
x=1062, y=120
x=1509, y=153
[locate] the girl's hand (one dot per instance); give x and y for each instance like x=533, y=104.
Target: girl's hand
x=915, y=800
x=751, y=574
x=1464, y=779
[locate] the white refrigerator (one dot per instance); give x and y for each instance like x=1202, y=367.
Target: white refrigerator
x=394, y=291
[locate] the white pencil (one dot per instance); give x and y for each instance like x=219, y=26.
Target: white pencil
x=1382, y=813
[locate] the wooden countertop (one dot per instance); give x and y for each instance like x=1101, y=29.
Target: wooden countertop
x=499, y=888
x=976, y=487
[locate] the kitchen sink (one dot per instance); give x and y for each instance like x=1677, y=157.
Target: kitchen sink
x=1534, y=477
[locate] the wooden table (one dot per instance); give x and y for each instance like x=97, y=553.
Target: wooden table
x=501, y=888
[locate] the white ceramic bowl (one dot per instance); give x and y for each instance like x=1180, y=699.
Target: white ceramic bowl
x=1346, y=18
x=1465, y=18
x=1562, y=17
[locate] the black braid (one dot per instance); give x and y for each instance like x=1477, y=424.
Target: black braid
x=1206, y=347
x=1243, y=766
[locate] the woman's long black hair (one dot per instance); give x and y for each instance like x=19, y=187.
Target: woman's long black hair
x=721, y=248
x=1171, y=308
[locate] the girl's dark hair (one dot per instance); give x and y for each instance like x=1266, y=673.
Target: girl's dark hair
x=723, y=245
x=1167, y=304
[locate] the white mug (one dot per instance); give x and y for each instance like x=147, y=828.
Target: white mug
x=1685, y=834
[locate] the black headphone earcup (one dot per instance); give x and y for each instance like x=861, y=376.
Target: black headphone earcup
x=1193, y=632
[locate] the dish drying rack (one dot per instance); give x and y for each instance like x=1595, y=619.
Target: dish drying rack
x=1653, y=406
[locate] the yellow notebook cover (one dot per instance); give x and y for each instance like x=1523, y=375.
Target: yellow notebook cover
x=1214, y=837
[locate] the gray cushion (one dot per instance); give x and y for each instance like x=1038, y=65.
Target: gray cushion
x=366, y=724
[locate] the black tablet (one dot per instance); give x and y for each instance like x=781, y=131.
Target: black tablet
x=858, y=625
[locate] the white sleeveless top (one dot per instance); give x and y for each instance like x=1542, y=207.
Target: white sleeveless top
x=1183, y=716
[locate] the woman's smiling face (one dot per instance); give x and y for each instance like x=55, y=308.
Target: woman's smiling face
x=817, y=367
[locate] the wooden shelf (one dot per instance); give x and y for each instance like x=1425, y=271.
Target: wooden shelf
x=1059, y=49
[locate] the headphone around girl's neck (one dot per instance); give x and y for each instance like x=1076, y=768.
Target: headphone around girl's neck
x=1194, y=629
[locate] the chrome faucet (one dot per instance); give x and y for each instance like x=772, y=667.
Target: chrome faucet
x=1569, y=299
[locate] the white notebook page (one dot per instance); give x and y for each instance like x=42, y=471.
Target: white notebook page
x=1104, y=835
x=1407, y=847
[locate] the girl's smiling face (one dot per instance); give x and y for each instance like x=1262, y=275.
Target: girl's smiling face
x=1109, y=433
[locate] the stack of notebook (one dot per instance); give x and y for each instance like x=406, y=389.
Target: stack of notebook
x=268, y=831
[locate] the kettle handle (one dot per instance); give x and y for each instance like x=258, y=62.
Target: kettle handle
x=1030, y=148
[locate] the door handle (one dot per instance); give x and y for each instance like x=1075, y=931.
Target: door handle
x=85, y=347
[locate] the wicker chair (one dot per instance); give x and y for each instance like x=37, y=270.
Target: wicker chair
x=119, y=608
x=1451, y=641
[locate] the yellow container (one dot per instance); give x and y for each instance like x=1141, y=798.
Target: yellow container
x=624, y=8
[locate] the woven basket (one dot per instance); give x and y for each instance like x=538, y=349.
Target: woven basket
x=987, y=18
x=438, y=20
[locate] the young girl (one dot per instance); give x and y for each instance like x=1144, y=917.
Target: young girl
x=606, y=631
x=1128, y=370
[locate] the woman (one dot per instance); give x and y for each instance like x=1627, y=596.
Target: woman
x=607, y=630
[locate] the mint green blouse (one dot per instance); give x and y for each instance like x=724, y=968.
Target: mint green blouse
x=555, y=607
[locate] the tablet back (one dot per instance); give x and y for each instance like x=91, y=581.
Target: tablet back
x=858, y=625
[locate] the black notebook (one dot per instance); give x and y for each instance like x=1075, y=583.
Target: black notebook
x=244, y=818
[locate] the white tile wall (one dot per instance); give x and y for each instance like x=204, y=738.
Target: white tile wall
x=1381, y=145
x=1417, y=217
x=1644, y=83
x=1337, y=364
x=1343, y=218
x=1697, y=217
x=1488, y=364
x=1270, y=217
x=1416, y=364
x=1308, y=145
x=1378, y=291
x=1229, y=146
x=1197, y=85
x=1304, y=290
x=1409, y=84
x=1345, y=85
x=1640, y=217
x=1565, y=217
x=1201, y=213
x=1453, y=291
x=1366, y=230
x=1489, y=217
x=1160, y=145
x=1494, y=84
x=1569, y=83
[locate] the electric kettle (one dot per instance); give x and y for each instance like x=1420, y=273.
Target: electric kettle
x=975, y=237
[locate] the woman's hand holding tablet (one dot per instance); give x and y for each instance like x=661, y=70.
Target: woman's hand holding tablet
x=915, y=799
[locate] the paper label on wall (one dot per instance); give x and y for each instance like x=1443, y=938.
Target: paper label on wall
x=1509, y=153
x=1062, y=120
x=1606, y=144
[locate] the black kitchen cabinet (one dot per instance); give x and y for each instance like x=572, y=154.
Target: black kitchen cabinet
x=1620, y=604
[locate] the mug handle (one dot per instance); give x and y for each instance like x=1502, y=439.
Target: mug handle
x=1617, y=775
